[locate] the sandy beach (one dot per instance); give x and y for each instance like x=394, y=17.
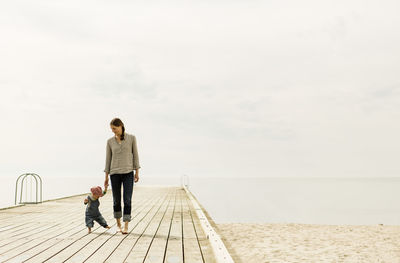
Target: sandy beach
x=262, y=243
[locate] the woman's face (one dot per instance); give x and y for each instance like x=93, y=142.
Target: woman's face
x=116, y=130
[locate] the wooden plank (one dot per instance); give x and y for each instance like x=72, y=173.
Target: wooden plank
x=28, y=243
x=47, y=220
x=136, y=244
x=36, y=246
x=65, y=242
x=17, y=228
x=112, y=245
x=78, y=245
x=204, y=243
x=102, y=244
x=192, y=252
x=164, y=228
x=156, y=251
x=46, y=238
x=60, y=244
x=82, y=242
x=13, y=244
x=174, y=251
x=30, y=212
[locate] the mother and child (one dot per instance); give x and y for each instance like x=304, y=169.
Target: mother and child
x=122, y=166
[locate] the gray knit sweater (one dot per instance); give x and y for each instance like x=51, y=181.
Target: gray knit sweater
x=122, y=157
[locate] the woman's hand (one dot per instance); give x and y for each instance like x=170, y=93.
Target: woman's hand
x=136, y=177
x=106, y=181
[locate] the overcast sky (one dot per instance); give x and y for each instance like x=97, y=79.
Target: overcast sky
x=209, y=88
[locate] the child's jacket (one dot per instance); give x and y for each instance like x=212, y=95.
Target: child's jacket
x=92, y=208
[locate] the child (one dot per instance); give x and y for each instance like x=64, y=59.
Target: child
x=92, y=210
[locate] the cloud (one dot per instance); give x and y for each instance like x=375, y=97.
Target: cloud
x=216, y=87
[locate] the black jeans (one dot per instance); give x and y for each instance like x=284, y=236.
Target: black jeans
x=127, y=181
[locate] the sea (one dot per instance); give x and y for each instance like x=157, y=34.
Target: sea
x=312, y=200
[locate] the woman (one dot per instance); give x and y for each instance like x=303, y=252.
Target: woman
x=121, y=160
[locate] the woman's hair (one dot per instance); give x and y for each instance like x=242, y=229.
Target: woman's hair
x=118, y=123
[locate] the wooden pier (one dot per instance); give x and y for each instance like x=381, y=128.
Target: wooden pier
x=164, y=228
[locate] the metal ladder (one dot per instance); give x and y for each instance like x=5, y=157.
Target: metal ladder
x=38, y=181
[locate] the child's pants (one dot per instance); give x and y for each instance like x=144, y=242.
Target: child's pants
x=98, y=218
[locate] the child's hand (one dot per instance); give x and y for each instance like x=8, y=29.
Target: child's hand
x=85, y=201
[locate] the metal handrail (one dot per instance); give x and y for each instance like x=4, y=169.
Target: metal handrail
x=38, y=183
x=185, y=182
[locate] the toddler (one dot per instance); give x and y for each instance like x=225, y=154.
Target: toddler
x=92, y=210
